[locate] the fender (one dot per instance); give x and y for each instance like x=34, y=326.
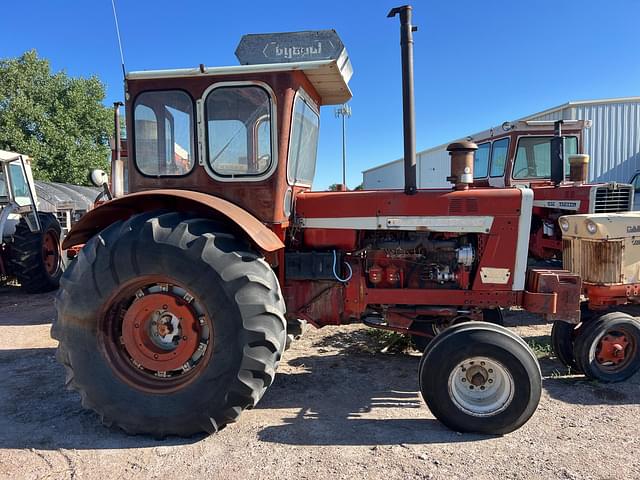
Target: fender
x=175, y=200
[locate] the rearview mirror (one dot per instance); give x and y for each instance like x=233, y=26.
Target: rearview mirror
x=98, y=177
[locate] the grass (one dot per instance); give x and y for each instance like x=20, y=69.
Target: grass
x=389, y=342
x=541, y=348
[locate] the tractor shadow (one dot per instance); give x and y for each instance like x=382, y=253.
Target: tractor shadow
x=18, y=308
x=349, y=394
x=36, y=411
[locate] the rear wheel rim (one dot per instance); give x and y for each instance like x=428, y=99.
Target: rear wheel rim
x=156, y=335
x=51, y=252
x=481, y=387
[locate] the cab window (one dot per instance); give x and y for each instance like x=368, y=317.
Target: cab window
x=499, y=153
x=481, y=160
x=239, y=131
x=163, y=133
x=303, y=146
x=533, y=156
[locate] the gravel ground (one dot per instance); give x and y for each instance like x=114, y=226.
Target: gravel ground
x=338, y=409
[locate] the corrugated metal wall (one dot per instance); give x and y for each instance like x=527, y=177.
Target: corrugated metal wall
x=384, y=177
x=613, y=141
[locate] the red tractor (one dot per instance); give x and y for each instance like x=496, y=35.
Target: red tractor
x=173, y=317
x=524, y=153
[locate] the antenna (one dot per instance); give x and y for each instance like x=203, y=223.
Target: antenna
x=115, y=18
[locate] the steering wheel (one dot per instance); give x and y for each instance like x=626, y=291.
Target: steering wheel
x=522, y=170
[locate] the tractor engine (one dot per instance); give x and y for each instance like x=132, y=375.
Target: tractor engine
x=417, y=260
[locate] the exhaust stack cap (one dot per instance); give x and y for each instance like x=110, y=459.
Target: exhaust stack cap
x=579, y=168
x=461, y=164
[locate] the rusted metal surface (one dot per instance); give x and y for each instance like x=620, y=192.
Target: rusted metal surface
x=177, y=200
x=145, y=319
x=603, y=296
x=461, y=164
x=51, y=251
x=265, y=198
x=553, y=293
x=125, y=334
x=579, y=168
x=612, y=348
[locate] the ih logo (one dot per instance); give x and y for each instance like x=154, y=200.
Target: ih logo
x=633, y=228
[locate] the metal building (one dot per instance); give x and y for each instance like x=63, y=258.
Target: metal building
x=613, y=142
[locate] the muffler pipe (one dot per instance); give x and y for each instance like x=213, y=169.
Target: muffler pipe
x=408, y=102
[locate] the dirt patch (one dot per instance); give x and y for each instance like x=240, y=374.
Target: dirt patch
x=338, y=409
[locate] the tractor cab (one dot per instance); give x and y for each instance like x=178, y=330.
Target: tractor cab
x=17, y=193
x=29, y=239
x=245, y=133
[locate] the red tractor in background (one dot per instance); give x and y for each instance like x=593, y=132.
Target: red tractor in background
x=525, y=153
x=173, y=317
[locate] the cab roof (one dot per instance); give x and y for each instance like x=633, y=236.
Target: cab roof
x=330, y=78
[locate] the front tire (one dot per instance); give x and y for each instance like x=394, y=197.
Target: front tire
x=169, y=325
x=481, y=378
x=607, y=348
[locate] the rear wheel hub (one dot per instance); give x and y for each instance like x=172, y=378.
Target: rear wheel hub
x=160, y=332
x=157, y=337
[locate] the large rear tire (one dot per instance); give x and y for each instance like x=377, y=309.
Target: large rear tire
x=169, y=325
x=36, y=257
x=481, y=378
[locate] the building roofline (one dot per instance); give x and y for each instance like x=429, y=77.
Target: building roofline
x=562, y=106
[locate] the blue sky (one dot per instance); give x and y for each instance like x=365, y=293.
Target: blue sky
x=478, y=63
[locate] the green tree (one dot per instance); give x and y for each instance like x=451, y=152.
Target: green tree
x=56, y=119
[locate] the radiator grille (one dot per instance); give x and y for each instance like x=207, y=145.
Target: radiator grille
x=595, y=261
x=611, y=200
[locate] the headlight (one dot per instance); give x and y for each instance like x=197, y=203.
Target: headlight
x=592, y=228
x=564, y=224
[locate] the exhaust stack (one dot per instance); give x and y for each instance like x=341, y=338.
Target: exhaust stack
x=408, y=103
x=557, y=154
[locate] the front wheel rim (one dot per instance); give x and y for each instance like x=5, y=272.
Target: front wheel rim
x=615, y=349
x=481, y=387
x=156, y=336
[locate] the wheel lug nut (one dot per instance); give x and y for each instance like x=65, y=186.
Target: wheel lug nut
x=481, y=363
x=482, y=388
x=184, y=338
x=164, y=307
x=470, y=387
x=490, y=380
x=155, y=355
x=491, y=370
x=137, y=325
x=463, y=380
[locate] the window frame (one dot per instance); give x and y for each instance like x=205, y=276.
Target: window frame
x=315, y=109
x=203, y=133
x=486, y=142
x=515, y=156
x=194, y=128
x=506, y=160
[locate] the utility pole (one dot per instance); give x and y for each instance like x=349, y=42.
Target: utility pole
x=344, y=111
